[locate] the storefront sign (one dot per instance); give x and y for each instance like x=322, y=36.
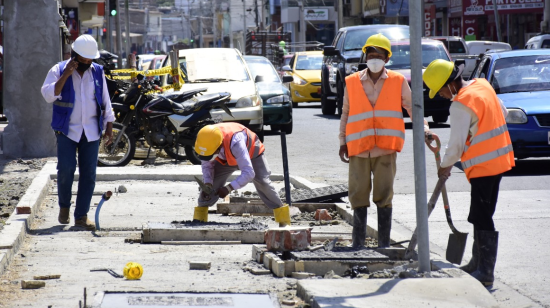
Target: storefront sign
x=455, y=7
x=316, y=14
x=485, y=7
x=429, y=17
x=397, y=8
x=470, y=27
x=455, y=26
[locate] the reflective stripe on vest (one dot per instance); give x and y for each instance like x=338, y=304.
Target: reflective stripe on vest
x=489, y=152
x=62, y=104
x=487, y=157
x=253, y=144
x=381, y=126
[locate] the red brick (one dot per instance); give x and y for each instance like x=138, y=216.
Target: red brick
x=288, y=239
x=23, y=210
x=322, y=214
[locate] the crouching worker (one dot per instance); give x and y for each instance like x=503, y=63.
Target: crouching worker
x=225, y=148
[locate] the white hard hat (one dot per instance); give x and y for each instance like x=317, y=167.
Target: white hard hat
x=86, y=46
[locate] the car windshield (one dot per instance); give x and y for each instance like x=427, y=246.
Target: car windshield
x=401, y=55
x=287, y=61
x=521, y=74
x=213, y=65
x=355, y=40
x=264, y=69
x=309, y=62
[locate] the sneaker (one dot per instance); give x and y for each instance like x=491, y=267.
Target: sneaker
x=84, y=222
x=63, y=217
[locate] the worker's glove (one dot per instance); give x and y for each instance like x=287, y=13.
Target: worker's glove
x=224, y=191
x=344, y=153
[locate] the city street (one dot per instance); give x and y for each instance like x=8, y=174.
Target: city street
x=522, y=214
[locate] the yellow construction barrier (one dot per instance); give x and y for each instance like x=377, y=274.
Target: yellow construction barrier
x=177, y=75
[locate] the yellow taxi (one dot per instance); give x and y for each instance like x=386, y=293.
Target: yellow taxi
x=305, y=68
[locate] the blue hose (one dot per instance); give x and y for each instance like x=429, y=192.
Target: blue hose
x=105, y=197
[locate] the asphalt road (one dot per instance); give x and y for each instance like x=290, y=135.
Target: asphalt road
x=522, y=214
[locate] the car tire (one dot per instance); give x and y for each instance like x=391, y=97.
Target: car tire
x=294, y=105
x=340, y=96
x=328, y=107
x=275, y=128
x=440, y=118
x=287, y=128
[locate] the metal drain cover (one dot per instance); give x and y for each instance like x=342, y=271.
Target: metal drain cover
x=340, y=254
x=187, y=300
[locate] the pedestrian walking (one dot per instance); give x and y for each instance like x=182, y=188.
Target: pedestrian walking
x=81, y=110
x=225, y=148
x=372, y=131
x=479, y=139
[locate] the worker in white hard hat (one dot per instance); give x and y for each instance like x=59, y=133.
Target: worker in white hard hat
x=225, y=148
x=479, y=139
x=372, y=131
x=82, y=112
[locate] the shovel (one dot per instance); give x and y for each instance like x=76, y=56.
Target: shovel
x=457, y=240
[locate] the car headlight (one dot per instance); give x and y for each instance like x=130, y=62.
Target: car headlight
x=279, y=99
x=248, y=101
x=349, y=67
x=516, y=116
x=298, y=80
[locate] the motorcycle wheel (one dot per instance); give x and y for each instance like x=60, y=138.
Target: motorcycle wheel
x=185, y=153
x=124, y=152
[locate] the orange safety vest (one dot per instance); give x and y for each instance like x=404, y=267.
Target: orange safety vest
x=490, y=151
x=253, y=144
x=382, y=125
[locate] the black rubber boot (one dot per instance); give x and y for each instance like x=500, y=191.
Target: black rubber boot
x=359, y=227
x=474, y=261
x=384, y=226
x=488, y=246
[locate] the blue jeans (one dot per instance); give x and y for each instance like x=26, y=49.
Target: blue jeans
x=66, y=166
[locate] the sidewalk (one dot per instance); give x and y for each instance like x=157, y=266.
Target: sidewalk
x=166, y=194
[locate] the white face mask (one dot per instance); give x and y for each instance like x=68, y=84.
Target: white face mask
x=375, y=65
x=452, y=95
x=214, y=157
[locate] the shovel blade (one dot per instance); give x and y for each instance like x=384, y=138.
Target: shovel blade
x=455, y=247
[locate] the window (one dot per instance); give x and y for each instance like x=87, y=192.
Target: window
x=456, y=47
x=545, y=44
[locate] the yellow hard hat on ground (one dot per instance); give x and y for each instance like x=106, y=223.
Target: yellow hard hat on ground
x=133, y=271
x=440, y=72
x=378, y=41
x=208, y=141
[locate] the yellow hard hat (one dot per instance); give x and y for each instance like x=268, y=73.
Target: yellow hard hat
x=133, y=271
x=380, y=41
x=438, y=73
x=208, y=141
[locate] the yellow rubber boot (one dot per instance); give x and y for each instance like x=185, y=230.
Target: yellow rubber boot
x=282, y=216
x=201, y=214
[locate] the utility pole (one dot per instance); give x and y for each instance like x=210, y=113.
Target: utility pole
x=497, y=21
x=417, y=29
x=214, y=25
x=244, y=27
x=302, y=33
x=118, y=37
x=545, y=23
x=127, y=26
x=200, y=25
x=341, y=13
x=109, y=26
x=256, y=12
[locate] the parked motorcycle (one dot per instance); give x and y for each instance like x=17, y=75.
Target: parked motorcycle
x=161, y=121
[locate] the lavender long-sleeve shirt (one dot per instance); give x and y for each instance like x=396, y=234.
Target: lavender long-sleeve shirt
x=239, y=150
x=84, y=115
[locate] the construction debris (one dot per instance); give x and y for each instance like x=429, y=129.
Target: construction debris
x=46, y=277
x=199, y=265
x=32, y=284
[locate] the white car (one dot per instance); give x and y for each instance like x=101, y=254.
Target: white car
x=223, y=70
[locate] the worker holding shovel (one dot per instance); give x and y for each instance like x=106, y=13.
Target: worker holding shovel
x=372, y=131
x=225, y=148
x=479, y=138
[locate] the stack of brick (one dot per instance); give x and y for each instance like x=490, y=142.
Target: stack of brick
x=288, y=239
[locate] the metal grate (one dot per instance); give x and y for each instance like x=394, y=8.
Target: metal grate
x=543, y=119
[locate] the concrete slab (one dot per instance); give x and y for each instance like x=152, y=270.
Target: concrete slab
x=419, y=292
x=159, y=232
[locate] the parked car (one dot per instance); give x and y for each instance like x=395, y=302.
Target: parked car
x=400, y=61
x=222, y=70
x=344, y=54
x=275, y=96
x=286, y=61
x=155, y=64
x=521, y=79
x=538, y=42
x=305, y=68
x=143, y=61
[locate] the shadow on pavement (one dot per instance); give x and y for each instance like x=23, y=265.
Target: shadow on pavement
x=408, y=125
x=329, y=117
x=530, y=167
